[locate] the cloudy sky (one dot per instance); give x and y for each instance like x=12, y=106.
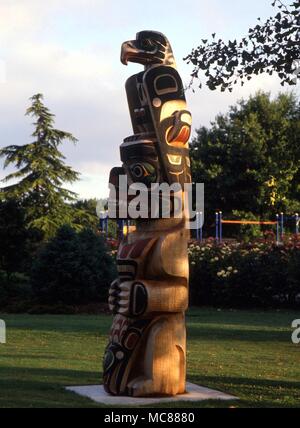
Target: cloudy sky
x=69, y=50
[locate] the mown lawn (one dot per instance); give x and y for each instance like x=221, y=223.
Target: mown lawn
x=245, y=353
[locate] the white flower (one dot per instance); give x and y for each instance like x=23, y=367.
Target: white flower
x=221, y=274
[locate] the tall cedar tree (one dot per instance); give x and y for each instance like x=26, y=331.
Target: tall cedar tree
x=269, y=47
x=41, y=172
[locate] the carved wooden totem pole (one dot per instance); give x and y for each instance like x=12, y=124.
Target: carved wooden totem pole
x=146, y=354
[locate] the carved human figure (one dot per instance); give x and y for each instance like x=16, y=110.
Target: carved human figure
x=146, y=354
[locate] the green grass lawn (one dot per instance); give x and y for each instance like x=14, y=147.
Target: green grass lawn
x=245, y=353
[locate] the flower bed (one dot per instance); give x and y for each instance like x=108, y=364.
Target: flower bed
x=259, y=274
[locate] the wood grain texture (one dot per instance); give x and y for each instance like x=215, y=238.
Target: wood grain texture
x=146, y=353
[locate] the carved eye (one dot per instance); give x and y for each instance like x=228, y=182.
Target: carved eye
x=138, y=171
x=144, y=172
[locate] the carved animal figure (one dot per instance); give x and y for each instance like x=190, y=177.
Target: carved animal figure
x=146, y=354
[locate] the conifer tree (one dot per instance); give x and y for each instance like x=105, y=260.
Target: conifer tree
x=41, y=173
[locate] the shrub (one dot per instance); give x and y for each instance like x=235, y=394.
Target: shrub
x=15, y=288
x=73, y=268
x=245, y=275
x=13, y=237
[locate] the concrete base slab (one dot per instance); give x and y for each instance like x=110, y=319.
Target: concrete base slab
x=194, y=393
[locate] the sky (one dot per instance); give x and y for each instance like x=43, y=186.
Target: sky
x=69, y=50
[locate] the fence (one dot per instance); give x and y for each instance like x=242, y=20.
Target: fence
x=279, y=223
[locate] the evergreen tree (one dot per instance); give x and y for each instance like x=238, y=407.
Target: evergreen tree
x=73, y=268
x=13, y=237
x=89, y=208
x=41, y=173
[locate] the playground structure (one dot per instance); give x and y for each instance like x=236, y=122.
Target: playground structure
x=279, y=223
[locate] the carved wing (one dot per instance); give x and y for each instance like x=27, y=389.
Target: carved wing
x=172, y=122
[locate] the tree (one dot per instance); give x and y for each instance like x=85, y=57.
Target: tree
x=72, y=268
x=87, y=210
x=269, y=47
x=13, y=237
x=92, y=208
x=41, y=172
x=249, y=159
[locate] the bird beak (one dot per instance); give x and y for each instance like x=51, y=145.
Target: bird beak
x=129, y=51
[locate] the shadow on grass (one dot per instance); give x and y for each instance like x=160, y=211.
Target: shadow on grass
x=241, y=381
x=234, y=334
x=89, y=325
x=197, y=328
x=28, y=357
x=31, y=387
x=262, y=392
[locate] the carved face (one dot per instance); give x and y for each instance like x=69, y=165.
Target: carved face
x=150, y=47
x=141, y=162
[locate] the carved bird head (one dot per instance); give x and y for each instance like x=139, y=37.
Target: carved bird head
x=149, y=48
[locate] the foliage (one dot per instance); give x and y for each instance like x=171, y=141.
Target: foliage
x=85, y=213
x=73, y=268
x=15, y=291
x=246, y=275
x=249, y=159
x=247, y=232
x=13, y=237
x=269, y=47
x=41, y=172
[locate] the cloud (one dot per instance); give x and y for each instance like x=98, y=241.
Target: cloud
x=94, y=180
x=69, y=50
x=206, y=105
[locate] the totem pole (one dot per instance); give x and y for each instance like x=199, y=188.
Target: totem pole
x=146, y=354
